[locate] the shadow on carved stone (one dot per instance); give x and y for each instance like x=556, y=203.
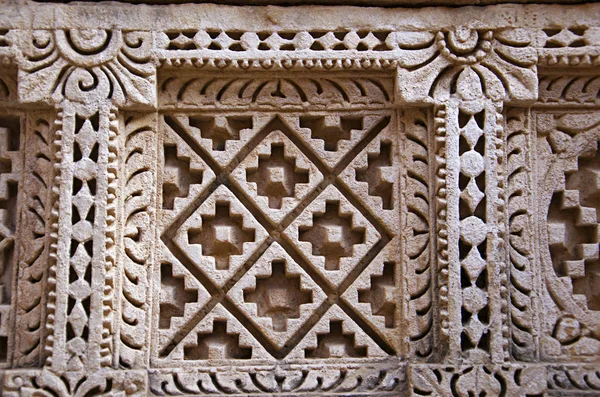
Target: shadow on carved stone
x=178, y=176
x=575, y=231
x=381, y=295
x=221, y=236
x=336, y=344
x=332, y=235
x=277, y=176
x=217, y=345
x=278, y=296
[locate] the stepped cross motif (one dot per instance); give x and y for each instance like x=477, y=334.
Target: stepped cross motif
x=277, y=176
x=332, y=235
x=278, y=297
x=217, y=345
x=221, y=236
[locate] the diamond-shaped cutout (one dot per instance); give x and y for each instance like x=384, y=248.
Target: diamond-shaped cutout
x=564, y=38
x=473, y=264
x=86, y=138
x=277, y=295
x=472, y=132
x=328, y=40
x=475, y=330
x=221, y=136
x=80, y=260
x=219, y=236
x=83, y=200
x=376, y=294
x=223, y=40
x=472, y=195
x=332, y=235
x=371, y=41
x=78, y=319
x=331, y=137
x=276, y=175
x=181, y=42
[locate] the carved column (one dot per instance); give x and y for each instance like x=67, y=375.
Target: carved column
x=468, y=76
x=86, y=75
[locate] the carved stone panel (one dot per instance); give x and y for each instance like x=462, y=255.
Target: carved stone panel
x=200, y=200
x=568, y=165
x=279, y=217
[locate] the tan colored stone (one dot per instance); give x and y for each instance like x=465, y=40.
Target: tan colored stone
x=202, y=199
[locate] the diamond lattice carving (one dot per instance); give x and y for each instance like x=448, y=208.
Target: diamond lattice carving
x=203, y=200
x=270, y=237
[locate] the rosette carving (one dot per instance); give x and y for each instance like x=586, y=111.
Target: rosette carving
x=501, y=62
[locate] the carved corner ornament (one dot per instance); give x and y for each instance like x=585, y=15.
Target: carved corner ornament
x=500, y=64
x=87, y=65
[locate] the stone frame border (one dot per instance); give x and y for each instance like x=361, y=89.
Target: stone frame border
x=111, y=67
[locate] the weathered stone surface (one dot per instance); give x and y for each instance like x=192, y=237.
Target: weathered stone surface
x=332, y=201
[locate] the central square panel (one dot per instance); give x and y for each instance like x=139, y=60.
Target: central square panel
x=278, y=222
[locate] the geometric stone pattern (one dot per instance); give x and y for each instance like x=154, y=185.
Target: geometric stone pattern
x=208, y=200
x=567, y=146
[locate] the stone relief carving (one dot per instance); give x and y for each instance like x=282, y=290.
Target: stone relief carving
x=569, y=141
x=268, y=209
x=84, y=65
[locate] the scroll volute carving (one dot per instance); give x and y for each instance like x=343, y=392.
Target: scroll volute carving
x=87, y=66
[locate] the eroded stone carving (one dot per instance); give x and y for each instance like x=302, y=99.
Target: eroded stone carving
x=569, y=246
x=202, y=200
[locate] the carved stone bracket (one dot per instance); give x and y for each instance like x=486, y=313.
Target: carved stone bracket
x=499, y=64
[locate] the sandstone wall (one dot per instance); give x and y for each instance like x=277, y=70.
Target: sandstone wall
x=324, y=201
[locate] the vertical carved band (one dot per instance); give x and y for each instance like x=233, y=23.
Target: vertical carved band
x=85, y=250
x=35, y=237
x=11, y=171
x=441, y=194
x=137, y=200
x=475, y=208
x=520, y=247
x=420, y=254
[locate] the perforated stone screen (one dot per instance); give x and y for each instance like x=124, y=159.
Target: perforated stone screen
x=328, y=201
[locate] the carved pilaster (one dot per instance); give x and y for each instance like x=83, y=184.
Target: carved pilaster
x=86, y=74
x=469, y=74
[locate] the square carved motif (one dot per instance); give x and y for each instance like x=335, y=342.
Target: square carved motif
x=280, y=204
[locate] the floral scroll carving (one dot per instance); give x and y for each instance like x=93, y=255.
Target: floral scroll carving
x=203, y=200
x=499, y=63
x=87, y=65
